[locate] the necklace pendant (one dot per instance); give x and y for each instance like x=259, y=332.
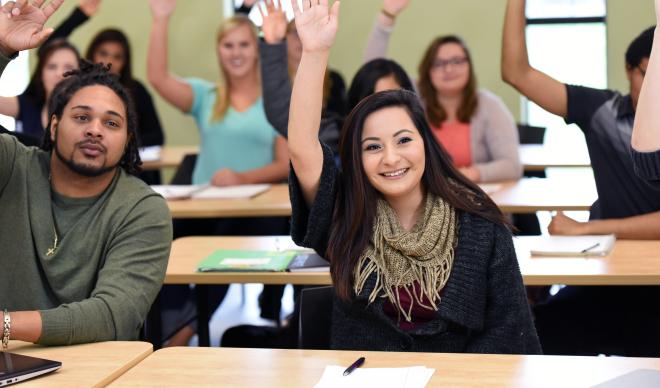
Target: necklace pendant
x=50, y=252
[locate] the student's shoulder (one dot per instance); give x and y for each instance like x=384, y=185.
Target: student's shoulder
x=132, y=192
x=477, y=225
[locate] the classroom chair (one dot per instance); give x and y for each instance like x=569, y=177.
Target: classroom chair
x=315, y=317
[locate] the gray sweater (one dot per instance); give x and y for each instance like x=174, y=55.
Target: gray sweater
x=111, y=255
x=493, y=133
x=484, y=306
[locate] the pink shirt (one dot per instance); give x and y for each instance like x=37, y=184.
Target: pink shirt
x=455, y=137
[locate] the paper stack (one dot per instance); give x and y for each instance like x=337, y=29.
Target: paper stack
x=209, y=192
x=411, y=377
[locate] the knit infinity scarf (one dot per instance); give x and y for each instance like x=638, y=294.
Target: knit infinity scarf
x=400, y=258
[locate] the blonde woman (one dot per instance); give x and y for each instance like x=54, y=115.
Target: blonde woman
x=238, y=145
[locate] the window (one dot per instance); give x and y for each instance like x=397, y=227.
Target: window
x=567, y=39
x=13, y=82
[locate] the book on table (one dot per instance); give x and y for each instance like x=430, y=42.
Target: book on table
x=227, y=260
x=308, y=262
x=570, y=246
x=209, y=192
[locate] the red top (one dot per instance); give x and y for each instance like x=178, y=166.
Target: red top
x=455, y=137
x=419, y=314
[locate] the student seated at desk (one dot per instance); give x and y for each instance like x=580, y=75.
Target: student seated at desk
x=421, y=259
x=581, y=319
x=84, y=243
x=646, y=131
x=238, y=145
x=473, y=125
x=30, y=108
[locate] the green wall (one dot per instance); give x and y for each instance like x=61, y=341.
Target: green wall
x=193, y=26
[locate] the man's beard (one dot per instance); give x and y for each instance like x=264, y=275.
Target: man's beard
x=79, y=168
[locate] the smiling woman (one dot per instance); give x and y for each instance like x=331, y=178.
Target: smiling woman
x=420, y=257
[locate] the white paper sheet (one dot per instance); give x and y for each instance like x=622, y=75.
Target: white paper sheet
x=209, y=192
x=411, y=377
x=150, y=154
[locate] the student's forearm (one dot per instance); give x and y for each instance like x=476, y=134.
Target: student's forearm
x=515, y=60
x=25, y=325
x=272, y=173
x=157, y=55
x=646, y=132
x=643, y=227
x=378, y=40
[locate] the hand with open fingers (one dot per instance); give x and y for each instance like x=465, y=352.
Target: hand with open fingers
x=226, y=177
x=563, y=225
x=394, y=7
x=162, y=9
x=22, y=24
x=89, y=7
x=316, y=24
x=274, y=22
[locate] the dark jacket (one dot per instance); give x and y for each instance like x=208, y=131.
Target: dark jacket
x=647, y=166
x=483, y=308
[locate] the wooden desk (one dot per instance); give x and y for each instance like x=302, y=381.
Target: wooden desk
x=527, y=195
x=170, y=157
x=88, y=365
x=530, y=195
x=273, y=203
x=630, y=263
x=232, y=367
x=538, y=157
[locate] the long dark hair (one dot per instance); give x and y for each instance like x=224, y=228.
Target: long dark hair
x=35, y=90
x=435, y=112
x=365, y=79
x=116, y=36
x=88, y=75
x=355, y=206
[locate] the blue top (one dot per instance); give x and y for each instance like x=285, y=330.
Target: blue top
x=240, y=141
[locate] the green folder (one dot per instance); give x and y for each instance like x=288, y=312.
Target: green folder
x=225, y=260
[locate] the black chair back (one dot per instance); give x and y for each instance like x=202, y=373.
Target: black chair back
x=315, y=318
x=183, y=174
x=529, y=134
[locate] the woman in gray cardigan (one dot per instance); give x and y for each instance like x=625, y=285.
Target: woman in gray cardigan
x=473, y=125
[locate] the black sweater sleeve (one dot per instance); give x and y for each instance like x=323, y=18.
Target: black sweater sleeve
x=508, y=326
x=310, y=227
x=149, y=129
x=75, y=20
x=647, y=166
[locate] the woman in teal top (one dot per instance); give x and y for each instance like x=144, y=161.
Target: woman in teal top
x=238, y=145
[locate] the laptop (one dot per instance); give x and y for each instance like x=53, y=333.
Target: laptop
x=15, y=368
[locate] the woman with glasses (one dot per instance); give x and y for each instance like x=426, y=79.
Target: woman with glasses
x=472, y=124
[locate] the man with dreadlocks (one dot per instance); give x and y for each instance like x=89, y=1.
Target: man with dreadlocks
x=84, y=243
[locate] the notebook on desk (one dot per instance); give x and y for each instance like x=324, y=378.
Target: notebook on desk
x=15, y=368
x=308, y=262
x=226, y=260
x=571, y=246
x=173, y=192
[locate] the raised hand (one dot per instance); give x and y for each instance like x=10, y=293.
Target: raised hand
x=22, y=24
x=275, y=23
x=89, y=7
x=162, y=9
x=394, y=7
x=316, y=24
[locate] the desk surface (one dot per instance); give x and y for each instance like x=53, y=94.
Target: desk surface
x=538, y=157
x=559, y=192
x=272, y=203
x=170, y=157
x=87, y=365
x=527, y=195
x=303, y=368
x=630, y=263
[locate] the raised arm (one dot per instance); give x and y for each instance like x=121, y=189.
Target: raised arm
x=317, y=27
x=85, y=10
x=172, y=88
x=646, y=132
x=539, y=87
x=379, y=39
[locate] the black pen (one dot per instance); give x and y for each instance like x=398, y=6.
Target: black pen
x=585, y=250
x=354, y=366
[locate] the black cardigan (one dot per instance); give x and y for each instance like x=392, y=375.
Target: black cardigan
x=483, y=308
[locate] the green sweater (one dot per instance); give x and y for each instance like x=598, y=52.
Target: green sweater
x=111, y=255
